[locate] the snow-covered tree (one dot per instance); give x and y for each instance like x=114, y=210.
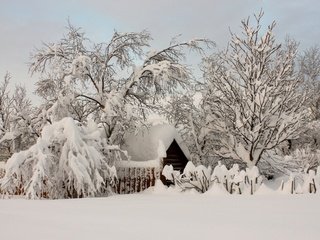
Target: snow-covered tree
x=253, y=94
x=107, y=75
x=309, y=70
x=309, y=67
x=21, y=131
x=5, y=109
x=189, y=116
x=67, y=161
x=17, y=115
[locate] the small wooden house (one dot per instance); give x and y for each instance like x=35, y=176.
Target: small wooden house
x=150, y=150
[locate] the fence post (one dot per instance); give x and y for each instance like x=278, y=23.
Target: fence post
x=153, y=181
x=143, y=179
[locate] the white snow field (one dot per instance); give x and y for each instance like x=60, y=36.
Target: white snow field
x=163, y=216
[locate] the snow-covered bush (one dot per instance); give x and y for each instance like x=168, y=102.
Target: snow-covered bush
x=292, y=185
x=307, y=182
x=311, y=181
x=298, y=162
x=235, y=180
x=169, y=173
x=193, y=177
x=67, y=161
x=304, y=159
x=201, y=178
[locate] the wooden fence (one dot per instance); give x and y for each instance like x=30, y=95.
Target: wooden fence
x=2, y=172
x=130, y=179
x=136, y=179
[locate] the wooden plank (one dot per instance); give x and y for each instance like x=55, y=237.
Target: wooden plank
x=123, y=183
x=153, y=177
x=143, y=179
x=128, y=180
x=138, y=181
x=132, y=180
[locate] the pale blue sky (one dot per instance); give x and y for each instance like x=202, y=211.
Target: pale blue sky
x=24, y=24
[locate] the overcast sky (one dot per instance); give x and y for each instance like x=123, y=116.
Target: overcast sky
x=25, y=24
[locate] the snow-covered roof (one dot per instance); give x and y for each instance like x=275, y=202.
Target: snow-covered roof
x=149, y=143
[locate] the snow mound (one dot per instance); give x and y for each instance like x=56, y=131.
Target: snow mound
x=216, y=189
x=265, y=190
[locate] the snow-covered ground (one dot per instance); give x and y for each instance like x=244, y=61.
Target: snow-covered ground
x=163, y=216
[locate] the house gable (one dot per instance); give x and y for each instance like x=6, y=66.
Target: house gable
x=175, y=157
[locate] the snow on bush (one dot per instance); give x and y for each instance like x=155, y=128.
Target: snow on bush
x=302, y=159
x=66, y=162
x=169, y=173
x=311, y=182
x=194, y=178
x=202, y=178
x=307, y=182
x=235, y=180
x=290, y=186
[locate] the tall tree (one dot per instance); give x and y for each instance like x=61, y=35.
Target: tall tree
x=252, y=93
x=118, y=91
